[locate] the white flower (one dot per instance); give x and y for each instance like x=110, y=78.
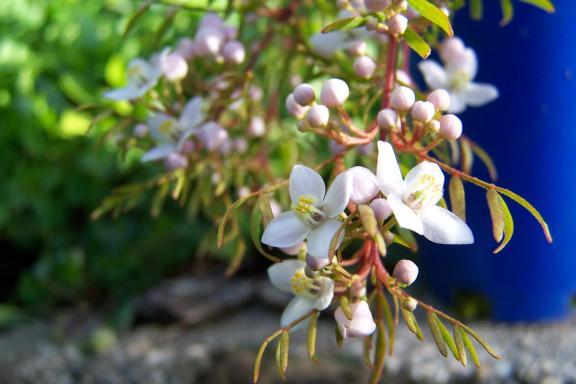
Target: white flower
x=142, y=76
x=457, y=77
x=362, y=324
x=314, y=212
x=170, y=133
x=413, y=200
x=310, y=294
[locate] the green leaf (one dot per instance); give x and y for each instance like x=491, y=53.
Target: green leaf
x=222, y=225
x=436, y=333
x=432, y=13
x=447, y=336
x=311, y=336
x=471, y=349
x=460, y=344
x=484, y=157
x=502, y=222
x=507, y=11
x=343, y=24
x=136, y=16
x=345, y=305
x=457, y=197
x=237, y=257
x=411, y=323
x=483, y=343
x=542, y=4
x=476, y=9
x=368, y=220
x=417, y=43
x=367, y=350
x=282, y=351
x=379, y=354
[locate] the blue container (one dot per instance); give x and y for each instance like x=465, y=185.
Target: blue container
x=531, y=133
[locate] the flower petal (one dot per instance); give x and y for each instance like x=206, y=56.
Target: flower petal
x=443, y=227
x=281, y=274
x=405, y=216
x=159, y=152
x=162, y=127
x=338, y=195
x=477, y=94
x=298, y=307
x=129, y=92
x=364, y=186
x=326, y=293
x=464, y=63
x=286, y=230
x=306, y=181
x=387, y=170
x=428, y=178
x=362, y=323
x=320, y=237
x=192, y=114
x=457, y=103
x=434, y=74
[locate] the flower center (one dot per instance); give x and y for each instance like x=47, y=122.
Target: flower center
x=301, y=284
x=424, y=192
x=308, y=211
x=137, y=74
x=459, y=80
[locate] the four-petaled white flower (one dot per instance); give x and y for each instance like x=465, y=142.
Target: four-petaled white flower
x=456, y=77
x=310, y=294
x=413, y=200
x=171, y=133
x=142, y=76
x=314, y=212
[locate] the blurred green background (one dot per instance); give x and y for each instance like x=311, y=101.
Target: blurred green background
x=55, y=168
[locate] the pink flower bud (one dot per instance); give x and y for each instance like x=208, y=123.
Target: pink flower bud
x=387, y=119
x=409, y=304
x=376, y=5
x=257, y=127
x=381, y=209
x=318, y=116
x=364, y=67
x=364, y=185
x=450, y=127
x=357, y=48
x=405, y=272
x=294, y=108
x=209, y=41
x=174, y=67
x=240, y=145
x=233, y=52
x=212, y=135
x=175, y=160
x=402, y=99
x=440, y=98
x=423, y=111
x=451, y=48
x=334, y=92
x=304, y=94
x=211, y=20
x=433, y=126
x=243, y=191
x=186, y=48
x=398, y=24
x=362, y=323
x=187, y=146
x=140, y=130
x=316, y=263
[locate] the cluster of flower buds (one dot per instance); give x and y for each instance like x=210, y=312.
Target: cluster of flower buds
x=424, y=113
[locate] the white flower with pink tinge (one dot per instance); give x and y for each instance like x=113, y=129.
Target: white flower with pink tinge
x=309, y=293
x=457, y=75
x=413, y=199
x=314, y=214
x=362, y=323
x=142, y=76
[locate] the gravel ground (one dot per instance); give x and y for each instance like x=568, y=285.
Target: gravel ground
x=220, y=349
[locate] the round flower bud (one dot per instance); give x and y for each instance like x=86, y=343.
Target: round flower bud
x=212, y=135
x=174, y=67
x=316, y=263
x=364, y=186
x=304, y=94
x=215, y=178
x=364, y=67
x=433, y=126
x=451, y=48
x=362, y=323
x=318, y=116
x=233, y=52
x=334, y=92
x=387, y=119
x=175, y=160
x=211, y=20
x=257, y=127
x=209, y=41
x=357, y=48
x=140, y=130
x=187, y=146
x=402, y=99
x=294, y=108
x=398, y=24
x=243, y=191
x=450, y=127
x=381, y=209
x=240, y=145
x=186, y=48
x=405, y=272
x=440, y=98
x=376, y=5
x=409, y=304
x=423, y=111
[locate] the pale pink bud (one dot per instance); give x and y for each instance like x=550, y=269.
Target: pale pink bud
x=304, y=94
x=450, y=127
x=402, y=99
x=423, y=111
x=364, y=185
x=140, y=130
x=362, y=323
x=186, y=48
x=175, y=161
x=376, y=5
x=440, y=98
x=225, y=145
x=294, y=108
x=318, y=116
x=243, y=191
x=334, y=92
x=409, y=304
x=211, y=20
x=316, y=263
x=405, y=271
x=364, y=67
x=403, y=77
x=187, y=146
x=174, y=67
x=398, y=24
x=381, y=209
x=212, y=135
x=215, y=178
x=240, y=145
x=387, y=119
x=256, y=93
x=233, y=52
x=451, y=48
x=357, y=48
x=209, y=41
x=257, y=127
x=433, y=126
